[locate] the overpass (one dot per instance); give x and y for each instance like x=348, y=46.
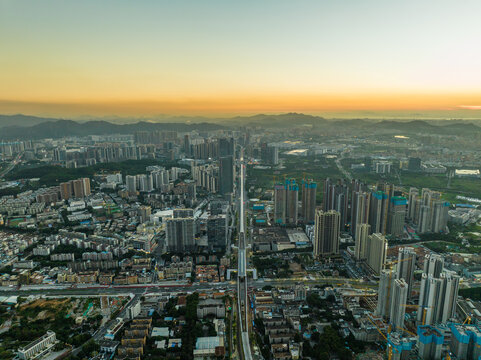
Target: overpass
x=242, y=286
x=252, y=271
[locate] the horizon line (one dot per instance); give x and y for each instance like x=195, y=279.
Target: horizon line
x=158, y=118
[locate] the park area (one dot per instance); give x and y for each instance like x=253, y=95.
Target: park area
x=72, y=319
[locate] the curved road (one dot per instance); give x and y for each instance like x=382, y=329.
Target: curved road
x=12, y=165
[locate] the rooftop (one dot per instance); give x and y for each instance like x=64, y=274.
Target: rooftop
x=209, y=342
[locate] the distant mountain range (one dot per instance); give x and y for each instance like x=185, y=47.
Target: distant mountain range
x=451, y=127
x=63, y=128
x=22, y=120
x=31, y=127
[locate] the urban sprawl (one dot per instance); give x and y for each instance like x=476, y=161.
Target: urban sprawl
x=246, y=243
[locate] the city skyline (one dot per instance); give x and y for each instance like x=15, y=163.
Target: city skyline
x=253, y=224
x=215, y=59
x=217, y=180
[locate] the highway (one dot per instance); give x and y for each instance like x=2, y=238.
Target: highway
x=172, y=286
x=346, y=173
x=242, y=285
x=93, y=290
x=11, y=166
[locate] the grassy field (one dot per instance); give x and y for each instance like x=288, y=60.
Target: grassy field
x=452, y=243
x=467, y=186
x=439, y=182
x=319, y=168
x=447, y=247
x=52, y=175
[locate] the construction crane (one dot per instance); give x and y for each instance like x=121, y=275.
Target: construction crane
x=389, y=344
x=467, y=320
x=390, y=275
x=397, y=261
x=389, y=330
x=410, y=306
x=409, y=332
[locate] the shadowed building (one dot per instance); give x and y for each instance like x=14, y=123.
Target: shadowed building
x=326, y=233
x=397, y=215
x=286, y=202
x=180, y=234
x=398, y=303
x=376, y=252
x=226, y=175
x=405, y=266
x=336, y=197
x=360, y=250
x=308, y=210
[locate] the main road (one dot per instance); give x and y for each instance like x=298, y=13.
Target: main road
x=242, y=286
x=12, y=165
x=174, y=286
x=344, y=172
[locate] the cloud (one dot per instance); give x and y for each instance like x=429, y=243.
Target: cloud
x=470, y=107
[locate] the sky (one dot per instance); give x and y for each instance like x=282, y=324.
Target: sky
x=72, y=58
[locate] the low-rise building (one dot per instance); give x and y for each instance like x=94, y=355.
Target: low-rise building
x=211, y=307
x=38, y=347
x=210, y=347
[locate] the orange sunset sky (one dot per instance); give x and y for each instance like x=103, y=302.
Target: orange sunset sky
x=218, y=58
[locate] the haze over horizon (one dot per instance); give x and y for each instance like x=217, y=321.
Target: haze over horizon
x=207, y=179
x=353, y=59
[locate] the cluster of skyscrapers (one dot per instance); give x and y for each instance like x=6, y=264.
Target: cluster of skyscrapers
x=438, y=290
x=286, y=202
x=368, y=213
x=205, y=149
x=395, y=288
x=109, y=152
x=381, y=207
x=154, y=137
x=427, y=210
x=218, y=176
x=79, y=188
x=382, y=210
x=463, y=340
x=370, y=247
x=215, y=178
x=327, y=230
x=336, y=197
x=154, y=180
x=10, y=148
x=269, y=154
x=183, y=229
x=206, y=176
